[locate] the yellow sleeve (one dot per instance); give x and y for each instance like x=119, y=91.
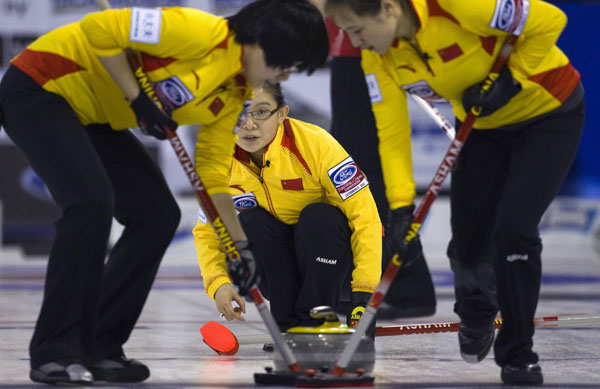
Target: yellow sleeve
x=539, y=24
x=214, y=152
x=393, y=129
x=360, y=210
x=167, y=32
x=212, y=260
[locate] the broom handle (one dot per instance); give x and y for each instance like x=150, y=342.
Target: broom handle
x=441, y=327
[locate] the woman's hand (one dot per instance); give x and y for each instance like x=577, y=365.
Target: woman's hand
x=223, y=298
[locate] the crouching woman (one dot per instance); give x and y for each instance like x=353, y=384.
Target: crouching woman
x=309, y=215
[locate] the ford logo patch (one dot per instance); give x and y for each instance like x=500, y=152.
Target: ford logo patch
x=245, y=203
x=344, y=174
x=506, y=15
x=174, y=92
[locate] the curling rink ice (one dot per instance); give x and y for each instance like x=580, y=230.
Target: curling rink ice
x=168, y=340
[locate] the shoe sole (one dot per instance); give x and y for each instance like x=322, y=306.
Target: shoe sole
x=38, y=376
x=115, y=375
x=522, y=378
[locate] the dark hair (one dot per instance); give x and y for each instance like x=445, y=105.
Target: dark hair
x=275, y=91
x=361, y=7
x=290, y=32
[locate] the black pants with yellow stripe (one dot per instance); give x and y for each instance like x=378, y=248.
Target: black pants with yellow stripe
x=94, y=174
x=303, y=265
x=504, y=181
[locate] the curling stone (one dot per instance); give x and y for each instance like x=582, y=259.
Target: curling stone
x=320, y=347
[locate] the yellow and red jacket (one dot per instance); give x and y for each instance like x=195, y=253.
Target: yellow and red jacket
x=306, y=165
x=190, y=57
x=459, y=41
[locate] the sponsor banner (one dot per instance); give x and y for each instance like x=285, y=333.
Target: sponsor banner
x=570, y=215
x=228, y=7
x=59, y=6
x=29, y=212
x=40, y=16
x=569, y=223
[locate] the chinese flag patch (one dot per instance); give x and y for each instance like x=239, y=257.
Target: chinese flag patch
x=450, y=52
x=216, y=106
x=294, y=184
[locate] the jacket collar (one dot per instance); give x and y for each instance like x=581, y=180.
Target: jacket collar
x=284, y=137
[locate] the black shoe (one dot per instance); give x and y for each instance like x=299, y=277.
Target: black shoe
x=119, y=369
x=389, y=312
x=529, y=374
x=475, y=342
x=62, y=372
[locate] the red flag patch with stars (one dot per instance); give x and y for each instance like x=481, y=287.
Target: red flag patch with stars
x=450, y=52
x=216, y=106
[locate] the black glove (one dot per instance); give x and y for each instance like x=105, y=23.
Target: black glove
x=243, y=271
x=397, y=226
x=150, y=117
x=359, y=301
x=501, y=91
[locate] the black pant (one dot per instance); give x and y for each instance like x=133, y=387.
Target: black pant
x=94, y=173
x=504, y=181
x=303, y=265
x=353, y=125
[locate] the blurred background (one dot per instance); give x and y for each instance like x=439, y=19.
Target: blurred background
x=27, y=212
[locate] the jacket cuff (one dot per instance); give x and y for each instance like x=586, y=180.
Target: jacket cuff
x=216, y=284
x=364, y=286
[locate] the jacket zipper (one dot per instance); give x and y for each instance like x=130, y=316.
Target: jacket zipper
x=269, y=200
x=423, y=56
x=266, y=189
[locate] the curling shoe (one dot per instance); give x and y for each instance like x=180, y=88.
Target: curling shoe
x=475, y=342
x=62, y=372
x=528, y=374
x=119, y=369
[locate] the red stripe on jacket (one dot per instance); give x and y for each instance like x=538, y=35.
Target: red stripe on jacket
x=43, y=66
x=436, y=10
x=288, y=142
x=559, y=82
x=150, y=62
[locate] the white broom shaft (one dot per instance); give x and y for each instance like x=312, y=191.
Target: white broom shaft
x=567, y=320
x=436, y=116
